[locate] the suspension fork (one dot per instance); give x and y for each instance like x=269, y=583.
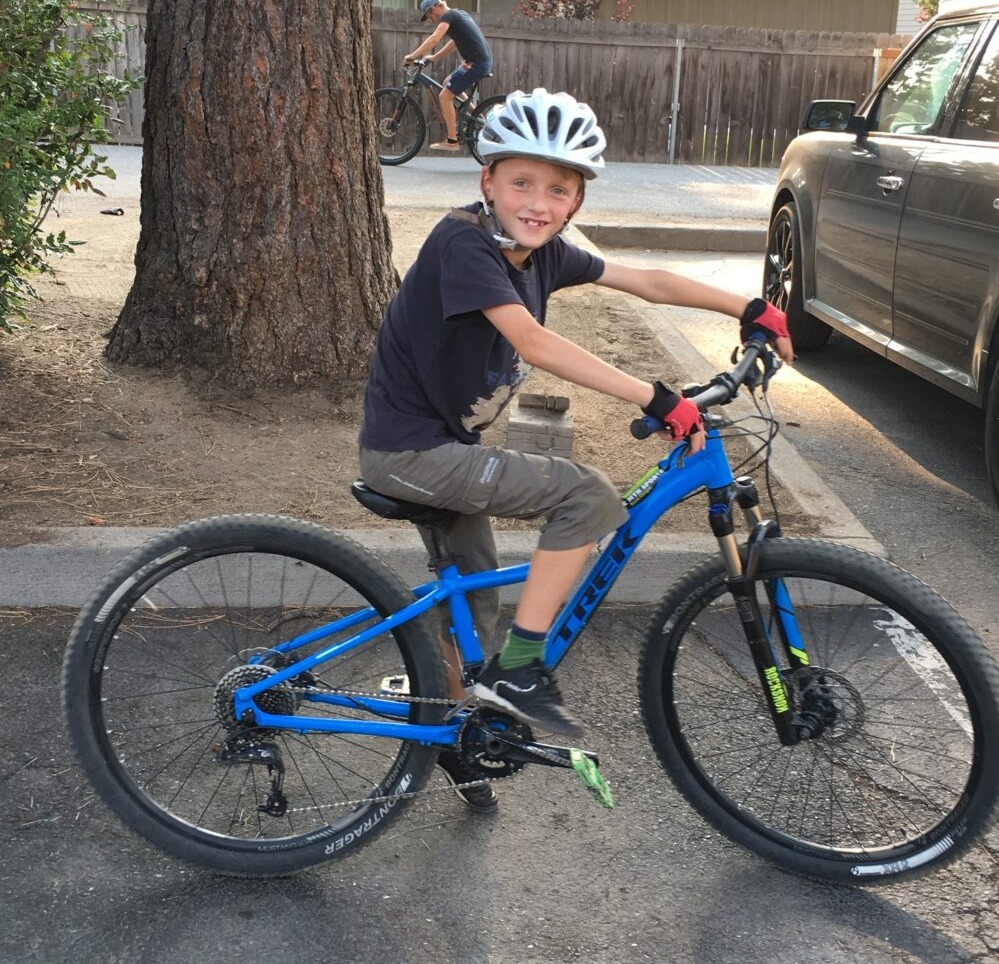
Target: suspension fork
x=408, y=93
x=741, y=582
x=748, y=499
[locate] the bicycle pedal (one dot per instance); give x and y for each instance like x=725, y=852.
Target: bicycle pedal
x=463, y=706
x=394, y=685
x=591, y=777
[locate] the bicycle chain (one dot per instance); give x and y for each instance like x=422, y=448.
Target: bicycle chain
x=407, y=795
x=403, y=795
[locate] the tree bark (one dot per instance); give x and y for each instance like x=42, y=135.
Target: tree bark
x=264, y=254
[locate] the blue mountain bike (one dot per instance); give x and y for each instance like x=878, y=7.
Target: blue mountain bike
x=256, y=694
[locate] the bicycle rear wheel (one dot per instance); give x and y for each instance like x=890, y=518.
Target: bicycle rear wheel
x=475, y=121
x=401, y=126
x=905, y=774
x=152, y=665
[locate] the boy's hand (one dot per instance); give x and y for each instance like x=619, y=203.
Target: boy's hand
x=762, y=316
x=680, y=415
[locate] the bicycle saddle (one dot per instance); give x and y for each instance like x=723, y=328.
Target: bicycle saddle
x=389, y=508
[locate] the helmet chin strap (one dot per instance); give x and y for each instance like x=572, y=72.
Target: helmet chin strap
x=491, y=223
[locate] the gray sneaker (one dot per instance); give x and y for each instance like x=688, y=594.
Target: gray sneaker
x=529, y=693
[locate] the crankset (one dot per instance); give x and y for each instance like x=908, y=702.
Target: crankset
x=495, y=744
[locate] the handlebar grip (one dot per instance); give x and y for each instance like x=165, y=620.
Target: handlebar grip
x=722, y=389
x=642, y=428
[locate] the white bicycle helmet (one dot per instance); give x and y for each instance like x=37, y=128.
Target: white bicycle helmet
x=546, y=127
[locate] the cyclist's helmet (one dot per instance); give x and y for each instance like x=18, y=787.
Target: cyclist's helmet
x=545, y=127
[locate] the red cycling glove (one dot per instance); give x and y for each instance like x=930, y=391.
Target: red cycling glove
x=680, y=415
x=760, y=315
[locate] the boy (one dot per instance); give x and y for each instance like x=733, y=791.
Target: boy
x=458, y=339
x=463, y=33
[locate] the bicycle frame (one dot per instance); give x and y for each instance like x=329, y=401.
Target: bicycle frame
x=434, y=87
x=678, y=475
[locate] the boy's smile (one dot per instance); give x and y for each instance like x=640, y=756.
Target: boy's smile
x=532, y=201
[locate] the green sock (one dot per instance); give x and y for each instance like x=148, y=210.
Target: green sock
x=521, y=647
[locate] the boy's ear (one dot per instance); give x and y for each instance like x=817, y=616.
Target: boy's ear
x=485, y=181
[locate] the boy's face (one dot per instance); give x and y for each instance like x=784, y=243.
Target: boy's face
x=532, y=199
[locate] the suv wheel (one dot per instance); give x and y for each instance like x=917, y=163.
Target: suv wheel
x=782, y=281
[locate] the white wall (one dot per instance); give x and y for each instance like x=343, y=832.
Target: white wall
x=906, y=23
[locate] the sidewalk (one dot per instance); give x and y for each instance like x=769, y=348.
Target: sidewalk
x=686, y=207
x=665, y=206
x=662, y=206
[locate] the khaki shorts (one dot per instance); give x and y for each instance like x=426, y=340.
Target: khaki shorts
x=578, y=503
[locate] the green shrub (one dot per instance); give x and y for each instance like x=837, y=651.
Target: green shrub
x=927, y=9
x=57, y=88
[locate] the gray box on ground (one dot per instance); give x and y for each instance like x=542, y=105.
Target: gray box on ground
x=543, y=431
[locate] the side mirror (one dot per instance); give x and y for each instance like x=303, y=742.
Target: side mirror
x=832, y=115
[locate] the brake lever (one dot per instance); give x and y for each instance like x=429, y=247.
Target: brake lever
x=765, y=368
x=770, y=368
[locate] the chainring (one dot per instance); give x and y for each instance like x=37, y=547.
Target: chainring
x=481, y=748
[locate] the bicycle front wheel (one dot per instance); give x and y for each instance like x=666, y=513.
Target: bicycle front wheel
x=401, y=126
x=475, y=121
x=903, y=775
x=155, y=658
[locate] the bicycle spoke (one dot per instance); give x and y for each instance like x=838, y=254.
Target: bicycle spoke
x=209, y=622
x=893, y=752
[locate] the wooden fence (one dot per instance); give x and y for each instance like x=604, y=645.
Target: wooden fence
x=126, y=120
x=663, y=92
x=667, y=92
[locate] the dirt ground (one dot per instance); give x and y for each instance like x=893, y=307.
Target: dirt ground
x=83, y=443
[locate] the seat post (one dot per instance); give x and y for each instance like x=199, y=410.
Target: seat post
x=440, y=554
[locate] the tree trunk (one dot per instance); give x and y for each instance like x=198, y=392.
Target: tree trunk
x=264, y=255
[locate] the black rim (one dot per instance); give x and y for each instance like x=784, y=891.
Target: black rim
x=164, y=656
x=400, y=130
x=898, y=766
x=780, y=263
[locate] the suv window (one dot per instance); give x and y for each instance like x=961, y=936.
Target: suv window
x=910, y=102
x=979, y=116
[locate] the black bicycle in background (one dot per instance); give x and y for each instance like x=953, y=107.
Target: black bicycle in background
x=402, y=124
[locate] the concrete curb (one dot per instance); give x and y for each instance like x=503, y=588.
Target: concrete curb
x=65, y=566
x=673, y=236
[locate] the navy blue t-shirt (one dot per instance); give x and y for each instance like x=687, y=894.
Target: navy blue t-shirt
x=441, y=371
x=468, y=38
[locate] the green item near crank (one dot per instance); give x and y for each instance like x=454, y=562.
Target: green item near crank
x=592, y=778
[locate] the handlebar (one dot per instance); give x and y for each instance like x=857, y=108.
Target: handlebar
x=724, y=387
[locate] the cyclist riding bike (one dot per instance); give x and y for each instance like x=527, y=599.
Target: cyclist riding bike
x=459, y=339
x=462, y=33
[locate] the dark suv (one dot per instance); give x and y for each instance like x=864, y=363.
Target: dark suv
x=885, y=223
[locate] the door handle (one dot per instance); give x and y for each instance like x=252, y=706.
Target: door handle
x=890, y=182
x=995, y=204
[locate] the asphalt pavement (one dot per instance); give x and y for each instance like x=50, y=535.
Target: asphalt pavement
x=660, y=206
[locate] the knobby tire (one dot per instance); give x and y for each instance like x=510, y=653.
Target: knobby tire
x=399, y=138
x=475, y=121
x=154, y=658
x=907, y=776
